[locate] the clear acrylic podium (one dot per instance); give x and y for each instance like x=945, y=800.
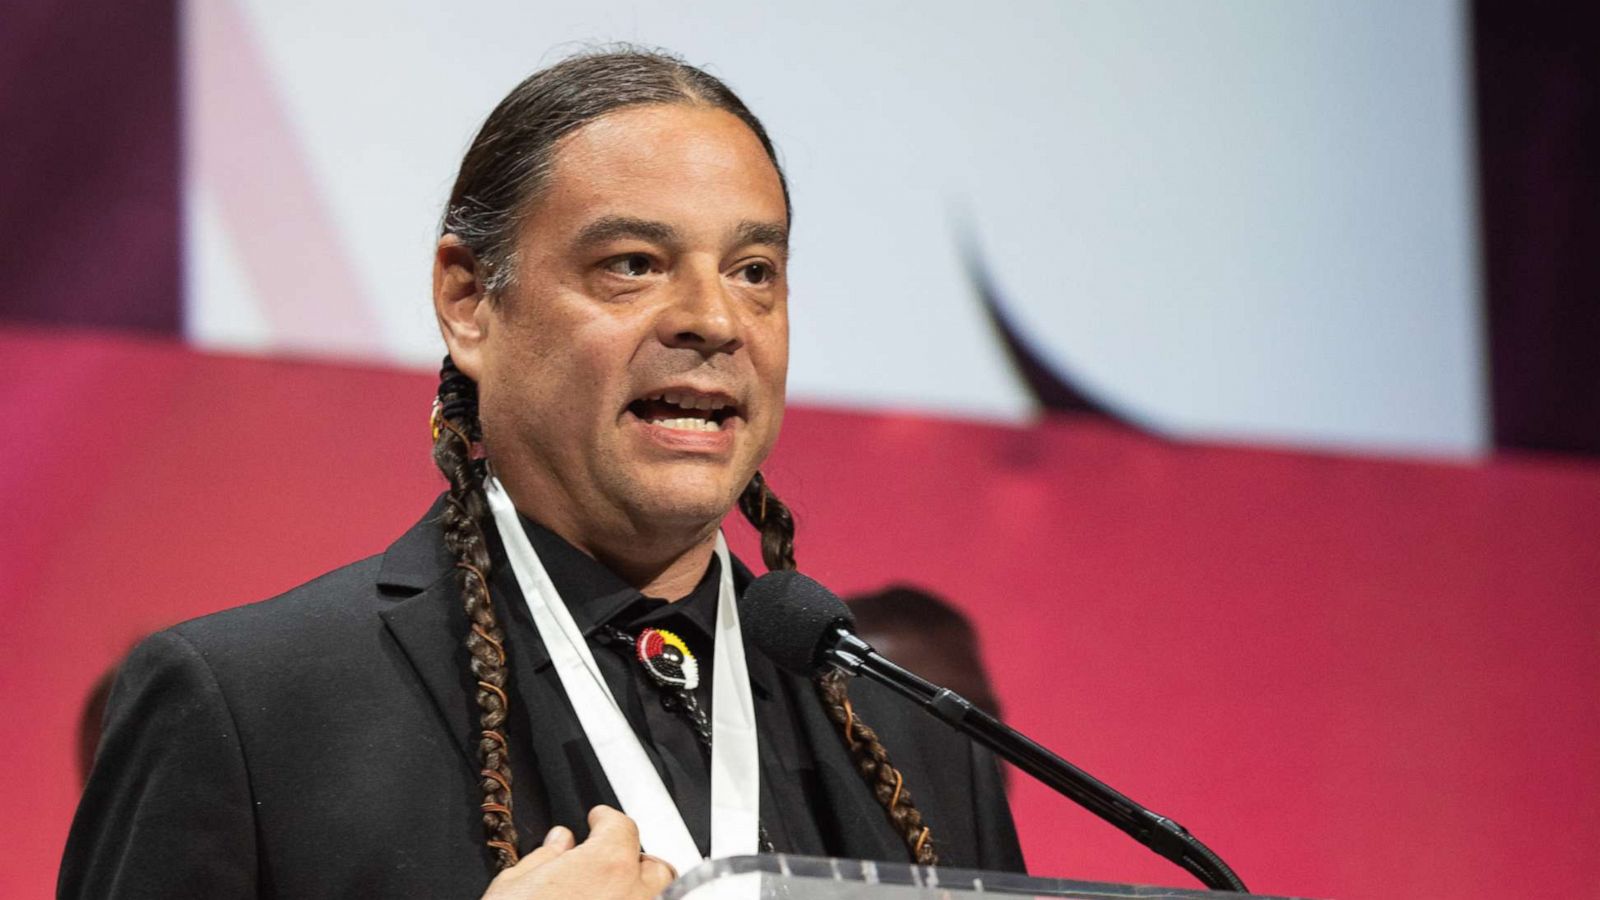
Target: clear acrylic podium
x=781, y=877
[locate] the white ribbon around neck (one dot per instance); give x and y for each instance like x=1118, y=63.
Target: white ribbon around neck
x=735, y=772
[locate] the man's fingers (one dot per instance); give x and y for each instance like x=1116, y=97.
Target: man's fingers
x=612, y=831
x=559, y=838
x=655, y=873
x=557, y=841
x=608, y=863
x=615, y=838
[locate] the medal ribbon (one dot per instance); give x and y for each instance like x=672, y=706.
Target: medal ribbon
x=735, y=773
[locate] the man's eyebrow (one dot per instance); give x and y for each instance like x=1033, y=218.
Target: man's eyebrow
x=610, y=228
x=770, y=233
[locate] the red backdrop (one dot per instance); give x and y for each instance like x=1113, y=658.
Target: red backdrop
x=1352, y=677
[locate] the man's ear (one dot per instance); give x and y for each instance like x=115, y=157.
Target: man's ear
x=458, y=294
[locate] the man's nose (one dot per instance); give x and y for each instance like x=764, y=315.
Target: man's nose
x=702, y=315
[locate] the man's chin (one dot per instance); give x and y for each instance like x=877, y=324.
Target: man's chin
x=684, y=502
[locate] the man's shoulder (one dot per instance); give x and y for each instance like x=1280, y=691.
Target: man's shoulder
x=333, y=607
x=330, y=601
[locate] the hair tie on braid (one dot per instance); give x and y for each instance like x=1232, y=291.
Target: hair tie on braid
x=444, y=425
x=849, y=721
x=497, y=691
x=499, y=649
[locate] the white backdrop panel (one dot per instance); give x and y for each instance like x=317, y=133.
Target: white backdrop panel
x=1244, y=219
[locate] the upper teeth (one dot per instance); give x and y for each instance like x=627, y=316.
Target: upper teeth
x=690, y=401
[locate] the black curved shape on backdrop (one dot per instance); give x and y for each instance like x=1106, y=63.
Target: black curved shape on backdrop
x=1052, y=389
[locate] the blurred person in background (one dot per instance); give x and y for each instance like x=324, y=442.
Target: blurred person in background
x=925, y=633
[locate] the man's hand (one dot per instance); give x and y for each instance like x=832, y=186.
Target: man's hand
x=607, y=866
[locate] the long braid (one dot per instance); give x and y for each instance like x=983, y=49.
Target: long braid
x=773, y=520
x=456, y=429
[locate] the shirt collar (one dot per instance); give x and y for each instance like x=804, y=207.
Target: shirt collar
x=596, y=596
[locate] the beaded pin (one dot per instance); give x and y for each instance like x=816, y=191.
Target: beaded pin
x=667, y=659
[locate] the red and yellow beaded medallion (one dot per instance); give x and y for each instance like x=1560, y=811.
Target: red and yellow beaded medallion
x=667, y=658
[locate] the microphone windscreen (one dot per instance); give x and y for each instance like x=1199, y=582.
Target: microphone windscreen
x=787, y=615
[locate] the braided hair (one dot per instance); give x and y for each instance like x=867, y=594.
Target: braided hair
x=455, y=433
x=762, y=508
x=507, y=164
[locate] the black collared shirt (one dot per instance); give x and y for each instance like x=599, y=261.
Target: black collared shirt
x=601, y=603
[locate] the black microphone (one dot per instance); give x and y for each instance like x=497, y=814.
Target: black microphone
x=804, y=628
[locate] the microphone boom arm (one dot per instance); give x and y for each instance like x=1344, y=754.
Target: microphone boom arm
x=1166, y=837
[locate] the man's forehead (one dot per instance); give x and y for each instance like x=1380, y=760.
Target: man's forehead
x=662, y=162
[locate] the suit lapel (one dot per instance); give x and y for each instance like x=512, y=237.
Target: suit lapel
x=427, y=627
x=427, y=622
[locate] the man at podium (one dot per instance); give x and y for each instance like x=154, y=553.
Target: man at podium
x=556, y=640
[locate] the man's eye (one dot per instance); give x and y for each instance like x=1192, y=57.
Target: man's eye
x=634, y=265
x=756, y=273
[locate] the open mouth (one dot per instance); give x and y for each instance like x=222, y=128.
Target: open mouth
x=683, y=410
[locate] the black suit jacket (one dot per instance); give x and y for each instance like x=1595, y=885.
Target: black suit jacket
x=319, y=744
